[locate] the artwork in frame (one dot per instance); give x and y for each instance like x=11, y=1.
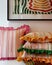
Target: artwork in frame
x=29, y=10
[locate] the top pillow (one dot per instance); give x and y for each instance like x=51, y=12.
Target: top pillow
x=38, y=37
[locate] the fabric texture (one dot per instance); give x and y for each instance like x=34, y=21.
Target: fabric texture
x=41, y=37
x=9, y=39
x=38, y=47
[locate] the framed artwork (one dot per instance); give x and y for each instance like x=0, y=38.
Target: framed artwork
x=29, y=10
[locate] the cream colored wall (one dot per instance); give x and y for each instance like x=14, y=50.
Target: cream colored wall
x=35, y=25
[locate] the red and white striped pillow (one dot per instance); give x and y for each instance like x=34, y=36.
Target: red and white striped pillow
x=9, y=41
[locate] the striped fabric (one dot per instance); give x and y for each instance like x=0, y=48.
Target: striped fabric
x=39, y=46
x=8, y=41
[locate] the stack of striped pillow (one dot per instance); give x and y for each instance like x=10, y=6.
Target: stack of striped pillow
x=37, y=48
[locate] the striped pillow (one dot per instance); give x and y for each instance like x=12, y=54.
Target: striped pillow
x=9, y=41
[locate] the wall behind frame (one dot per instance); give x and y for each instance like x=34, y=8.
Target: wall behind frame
x=35, y=25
